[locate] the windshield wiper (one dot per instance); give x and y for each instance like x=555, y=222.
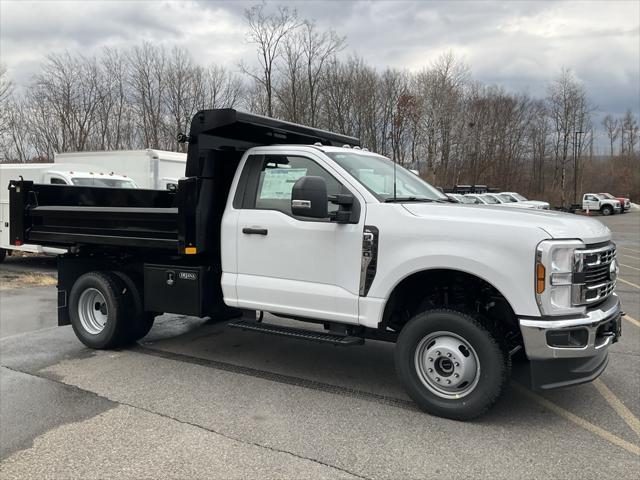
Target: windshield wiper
x=407, y=199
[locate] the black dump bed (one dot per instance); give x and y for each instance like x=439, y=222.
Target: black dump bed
x=183, y=222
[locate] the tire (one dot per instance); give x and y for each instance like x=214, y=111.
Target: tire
x=140, y=322
x=3, y=254
x=606, y=210
x=98, y=310
x=447, y=343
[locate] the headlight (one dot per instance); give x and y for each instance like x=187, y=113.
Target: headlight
x=554, y=276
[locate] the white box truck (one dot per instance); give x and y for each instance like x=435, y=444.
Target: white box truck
x=52, y=174
x=153, y=169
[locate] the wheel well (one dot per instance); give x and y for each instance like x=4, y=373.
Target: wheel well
x=454, y=289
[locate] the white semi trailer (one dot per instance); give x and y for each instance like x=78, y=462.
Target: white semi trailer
x=152, y=169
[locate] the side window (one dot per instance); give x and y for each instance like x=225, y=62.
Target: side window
x=279, y=173
x=57, y=181
x=591, y=198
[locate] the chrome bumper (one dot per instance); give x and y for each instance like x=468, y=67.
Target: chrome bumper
x=601, y=324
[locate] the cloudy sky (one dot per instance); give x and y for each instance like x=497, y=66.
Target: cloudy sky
x=520, y=45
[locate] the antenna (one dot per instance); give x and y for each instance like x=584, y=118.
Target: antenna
x=394, y=178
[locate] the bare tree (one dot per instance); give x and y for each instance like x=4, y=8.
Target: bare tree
x=268, y=32
x=6, y=88
x=612, y=129
x=570, y=113
x=629, y=134
x=147, y=79
x=319, y=48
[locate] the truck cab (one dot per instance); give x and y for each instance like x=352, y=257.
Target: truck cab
x=303, y=224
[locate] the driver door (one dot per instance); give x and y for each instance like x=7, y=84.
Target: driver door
x=293, y=265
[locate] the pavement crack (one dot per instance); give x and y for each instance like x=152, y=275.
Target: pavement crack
x=186, y=422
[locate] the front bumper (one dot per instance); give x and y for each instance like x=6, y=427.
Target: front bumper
x=571, y=350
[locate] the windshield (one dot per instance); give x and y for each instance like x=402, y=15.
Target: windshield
x=376, y=174
x=489, y=199
x=507, y=198
x=102, y=182
x=607, y=195
x=520, y=197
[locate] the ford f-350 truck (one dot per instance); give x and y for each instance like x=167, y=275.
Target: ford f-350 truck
x=302, y=223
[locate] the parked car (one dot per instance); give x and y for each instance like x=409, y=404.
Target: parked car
x=596, y=202
x=624, y=201
x=460, y=198
x=497, y=199
x=475, y=199
x=515, y=197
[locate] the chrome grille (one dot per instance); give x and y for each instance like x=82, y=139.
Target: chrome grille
x=592, y=278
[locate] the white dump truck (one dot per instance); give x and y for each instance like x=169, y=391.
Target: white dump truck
x=298, y=222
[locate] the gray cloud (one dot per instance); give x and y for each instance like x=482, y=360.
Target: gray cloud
x=519, y=45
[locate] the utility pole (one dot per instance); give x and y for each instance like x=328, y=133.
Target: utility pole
x=575, y=165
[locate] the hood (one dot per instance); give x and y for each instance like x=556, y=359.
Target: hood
x=558, y=225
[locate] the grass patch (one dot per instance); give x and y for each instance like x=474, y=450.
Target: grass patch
x=11, y=281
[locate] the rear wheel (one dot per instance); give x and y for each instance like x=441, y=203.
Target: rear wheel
x=606, y=210
x=3, y=254
x=98, y=310
x=450, y=364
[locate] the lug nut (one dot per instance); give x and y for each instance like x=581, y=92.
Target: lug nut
x=457, y=364
x=430, y=370
x=456, y=375
x=430, y=359
x=448, y=382
x=437, y=379
x=438, y=352
x=449, y=355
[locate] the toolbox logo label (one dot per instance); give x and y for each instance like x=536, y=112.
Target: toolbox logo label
x=188, y=275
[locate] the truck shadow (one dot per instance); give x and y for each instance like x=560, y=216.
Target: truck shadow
x=365, y=371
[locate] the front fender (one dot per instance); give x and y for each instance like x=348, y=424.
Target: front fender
x=500, y=253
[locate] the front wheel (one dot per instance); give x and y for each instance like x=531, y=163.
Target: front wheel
x=606, y=210
x=450, y=364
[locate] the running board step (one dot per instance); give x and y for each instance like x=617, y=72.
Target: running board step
x=299, y=333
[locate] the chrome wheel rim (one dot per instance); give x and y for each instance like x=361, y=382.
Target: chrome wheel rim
x=447, y=365
x=92, y=311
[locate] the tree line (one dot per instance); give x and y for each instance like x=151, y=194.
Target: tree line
x=439, y=120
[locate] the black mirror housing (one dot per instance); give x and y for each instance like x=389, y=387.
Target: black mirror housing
x=309, y=198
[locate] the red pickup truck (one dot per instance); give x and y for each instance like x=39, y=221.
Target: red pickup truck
x=624, y=202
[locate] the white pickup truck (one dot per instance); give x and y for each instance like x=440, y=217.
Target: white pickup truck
x=595, y=202
x=280, y=218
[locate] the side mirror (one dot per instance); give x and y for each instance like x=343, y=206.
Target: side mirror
x=309, y=198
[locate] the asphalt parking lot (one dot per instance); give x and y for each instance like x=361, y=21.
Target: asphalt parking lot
x=197, y=400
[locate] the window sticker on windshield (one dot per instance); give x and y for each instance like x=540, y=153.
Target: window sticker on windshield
x=372, y=180
x=278, y=182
